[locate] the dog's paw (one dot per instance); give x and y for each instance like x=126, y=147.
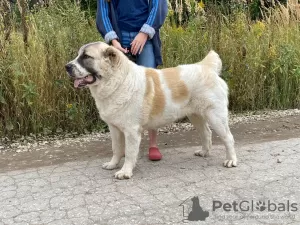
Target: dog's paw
x=202, y=153
x=109, y=166
x=230, y=163
x=121, y=174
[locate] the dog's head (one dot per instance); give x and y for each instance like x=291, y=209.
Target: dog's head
x=95, y=63
x=195, y=199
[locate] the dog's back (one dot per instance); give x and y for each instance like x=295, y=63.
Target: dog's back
x=182, y=90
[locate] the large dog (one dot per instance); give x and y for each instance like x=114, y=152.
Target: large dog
x=131, y=98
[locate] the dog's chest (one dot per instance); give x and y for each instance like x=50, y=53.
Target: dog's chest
x=106, y=110
x=115, y=113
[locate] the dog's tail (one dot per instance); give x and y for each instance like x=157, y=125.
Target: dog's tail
x=213, y=61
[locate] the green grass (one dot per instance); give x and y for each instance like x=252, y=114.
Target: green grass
x=261, y=64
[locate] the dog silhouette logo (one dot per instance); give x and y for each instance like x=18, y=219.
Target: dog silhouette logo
x=192, y=211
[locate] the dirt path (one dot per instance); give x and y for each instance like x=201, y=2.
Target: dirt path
x=66, y=184
x=250, y=133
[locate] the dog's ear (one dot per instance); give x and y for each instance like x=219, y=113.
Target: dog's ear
x=111, y=53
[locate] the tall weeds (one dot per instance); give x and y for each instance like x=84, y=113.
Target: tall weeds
x=261, y=62
x=35, y=92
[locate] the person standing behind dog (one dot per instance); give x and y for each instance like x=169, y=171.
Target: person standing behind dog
x=132, y=26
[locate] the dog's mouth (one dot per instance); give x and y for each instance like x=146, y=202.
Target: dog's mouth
x=82, y=82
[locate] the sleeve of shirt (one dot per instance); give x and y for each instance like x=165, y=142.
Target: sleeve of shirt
x=157, y=16
x=103, y=22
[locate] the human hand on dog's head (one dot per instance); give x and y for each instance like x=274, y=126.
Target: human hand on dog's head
x=117, y=45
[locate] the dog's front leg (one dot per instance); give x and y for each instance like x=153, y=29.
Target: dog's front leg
x=118, y=147
x=132, y=144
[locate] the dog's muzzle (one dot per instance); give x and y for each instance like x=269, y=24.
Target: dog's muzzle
x=81, y=82
x=69, y=69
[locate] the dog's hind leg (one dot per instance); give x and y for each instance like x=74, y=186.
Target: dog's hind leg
x=205, y=134
x=218, y=119
x=118, y=147
x=132, y=144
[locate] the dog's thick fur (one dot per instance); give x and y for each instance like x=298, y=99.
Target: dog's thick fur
x=131, y=98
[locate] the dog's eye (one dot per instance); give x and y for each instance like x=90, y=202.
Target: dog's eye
x=85, y=56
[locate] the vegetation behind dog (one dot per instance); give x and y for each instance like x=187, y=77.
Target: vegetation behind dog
x=261, y=61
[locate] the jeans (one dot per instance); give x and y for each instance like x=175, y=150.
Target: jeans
x=146, y=58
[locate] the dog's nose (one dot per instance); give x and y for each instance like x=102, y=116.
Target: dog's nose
x=69, y=68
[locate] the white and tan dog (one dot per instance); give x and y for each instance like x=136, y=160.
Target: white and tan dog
x=131, y=98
